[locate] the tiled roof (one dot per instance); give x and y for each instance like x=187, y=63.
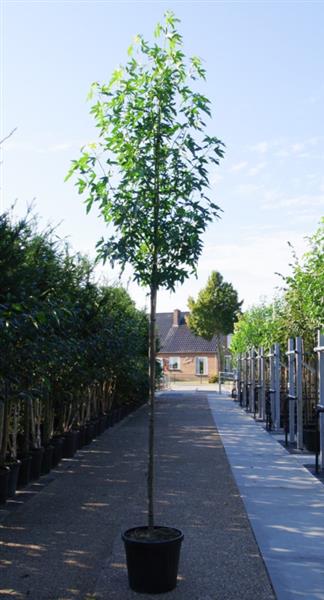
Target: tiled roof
x=180, y=339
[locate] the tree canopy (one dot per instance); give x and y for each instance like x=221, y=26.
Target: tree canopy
x=148, y=170
x=216, y=308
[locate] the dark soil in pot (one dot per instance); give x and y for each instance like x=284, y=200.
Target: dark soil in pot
x=4, y=478
x=24, y=471
x=13, y=478
x=152, y=556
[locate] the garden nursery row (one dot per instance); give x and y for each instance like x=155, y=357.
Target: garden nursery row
x=73, y=354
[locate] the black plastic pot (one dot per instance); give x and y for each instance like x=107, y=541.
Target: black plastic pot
x=102, y=423
x=4, y=478
x=152, y=565
x=89, y=433
x=109, y=419
x=311, y=439
x=47, y=459
x=116, y=415
x=57, y=455
x=70, y=444
x=96, y=427
x=81, y=439
x=24, y=471
x=13, y=478
x=36, y=463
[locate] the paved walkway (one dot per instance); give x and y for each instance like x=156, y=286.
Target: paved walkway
x=63, y=543
x=284, y=501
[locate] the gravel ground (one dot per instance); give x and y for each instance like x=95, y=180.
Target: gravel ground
x=63, y=542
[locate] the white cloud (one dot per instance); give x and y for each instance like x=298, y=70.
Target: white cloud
x=25, y=146
x=261, y=147
x=282, y=153
x=298, y=147
x=251, y=265
x=257, y=169
x=215, y=178
x=284, y=147
x=239, y=166
x=60, y=147
x=248, y=189
x=303, y=200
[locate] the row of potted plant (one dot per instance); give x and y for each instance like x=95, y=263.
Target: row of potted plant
x=71, y=351
x=29, y=467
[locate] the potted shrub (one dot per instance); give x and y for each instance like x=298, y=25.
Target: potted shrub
x=148, y=174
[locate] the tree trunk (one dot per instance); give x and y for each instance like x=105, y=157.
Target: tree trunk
x=152, y=353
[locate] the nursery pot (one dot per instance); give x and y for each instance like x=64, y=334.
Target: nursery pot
x=24, y=471
x=152, y=560
x=311, y=439
x=70, y=444
x=4, y=478
x=13, y=478
x=109, y=419
x=36, y=463
x=57, y=456
x=81, y=439
x=102, y=423
x=89, y=433
x=96, y=427
x=47, y=459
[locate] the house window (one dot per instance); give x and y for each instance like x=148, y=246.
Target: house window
x=201, y=365
x=174, y=363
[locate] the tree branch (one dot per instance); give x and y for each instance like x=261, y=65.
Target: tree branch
x=8, y=136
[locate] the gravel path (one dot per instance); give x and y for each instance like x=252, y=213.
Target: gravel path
x=63, y=543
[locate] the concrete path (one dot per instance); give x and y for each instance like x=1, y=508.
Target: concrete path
x=64, y=542
x=284, y=502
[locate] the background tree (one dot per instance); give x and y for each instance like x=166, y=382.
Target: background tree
x=261, y=325
x=215, y=311
x=304, y=293
x=148, y=172
x=298, y=311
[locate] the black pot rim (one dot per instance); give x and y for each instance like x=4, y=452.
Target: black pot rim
x=178, y=535
x=14, y=463
x=4, y=469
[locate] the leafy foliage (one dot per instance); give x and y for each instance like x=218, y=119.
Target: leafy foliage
x=148, y=170
x=305, y=289
x=63, y=339
x=216, y=308
x=261, y=325
x=298, y=312
x=215, y=311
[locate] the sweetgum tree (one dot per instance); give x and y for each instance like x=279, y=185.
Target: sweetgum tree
x=148, y=172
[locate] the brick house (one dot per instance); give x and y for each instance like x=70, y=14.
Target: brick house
x=182, y=354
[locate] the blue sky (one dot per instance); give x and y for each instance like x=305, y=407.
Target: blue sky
x=265, y=80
